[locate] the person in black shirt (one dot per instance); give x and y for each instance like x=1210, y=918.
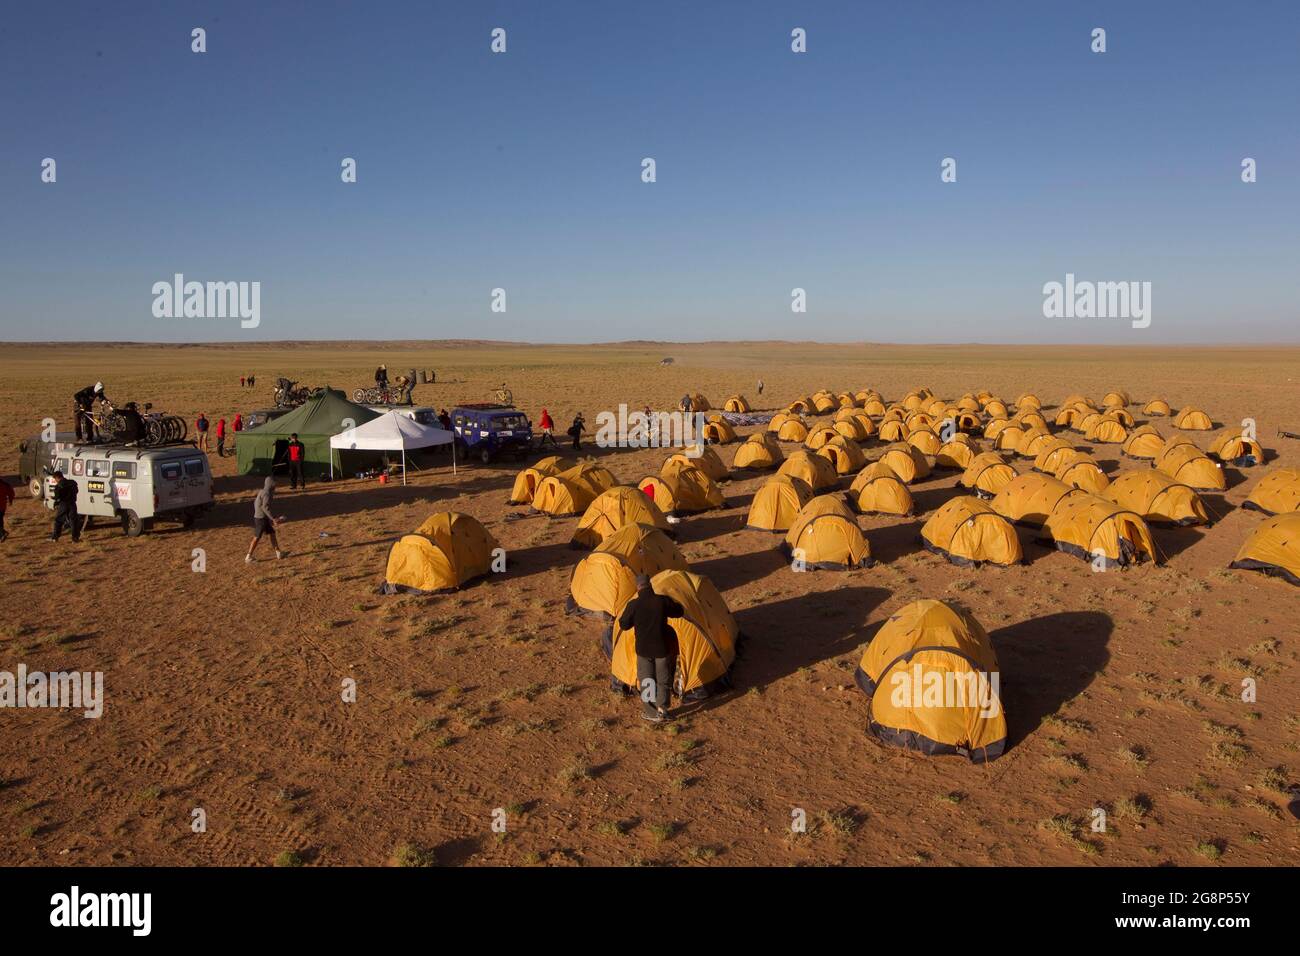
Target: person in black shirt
x=65, y=508
x=82, y=402
x=646, y=615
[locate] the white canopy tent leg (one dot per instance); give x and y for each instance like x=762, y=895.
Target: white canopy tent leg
x=403, y=466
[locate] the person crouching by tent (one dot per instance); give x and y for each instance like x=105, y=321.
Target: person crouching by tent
x=576, y=429
x=647, y=616
x=296, y=452
x=263, y=521
x=548, y=430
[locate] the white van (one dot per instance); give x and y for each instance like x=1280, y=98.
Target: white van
x=136, y=486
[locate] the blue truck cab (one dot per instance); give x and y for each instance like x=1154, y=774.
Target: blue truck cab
x=488, y=431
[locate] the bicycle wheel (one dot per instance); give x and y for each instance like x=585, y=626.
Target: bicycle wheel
x=154, y=432
x=359, y=396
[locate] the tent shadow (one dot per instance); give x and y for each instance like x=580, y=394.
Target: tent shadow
x=525, y=562
x=1046, y=662
x=932, y=499
x=701, y=528
x=891, y=542
x=1173, y=540
x=789, y=634
x=1218, y=506
x=735, y=570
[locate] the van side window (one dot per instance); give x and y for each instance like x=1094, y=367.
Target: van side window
x=123, y=469
x=194, y=467
x=61, y=465
x=171, y=470
x=97, y=469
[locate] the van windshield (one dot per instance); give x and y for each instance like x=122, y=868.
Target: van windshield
x=508, y=423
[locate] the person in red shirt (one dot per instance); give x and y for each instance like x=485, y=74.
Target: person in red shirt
x=548, y=427
x=6, y=499
x=238, y=424
x=221, y=438
x=296, y=453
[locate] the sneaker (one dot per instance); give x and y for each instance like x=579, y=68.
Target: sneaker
x=653, y=716
x=281, y=554
x=248, y=559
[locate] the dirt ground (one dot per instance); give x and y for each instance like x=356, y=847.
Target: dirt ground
x=223, y=687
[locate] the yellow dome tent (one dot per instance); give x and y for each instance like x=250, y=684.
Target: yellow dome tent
x=719, y=432
x=759, y=452
x=1157, y=406
x=777, y=420
x=699, y=403
x=1106, y=431
x=1273, y=548
x=614, y=509
x=681, y=488
x=932, y=681
x=878, y=490
x=1098, y=530
x=817, y=472
x=1030, y=498
x=1193, y=419
x=845, y=456
x=1236, y=449
x=824, y=404
x=526, y=481
x=825, y=535
x=1081, y=470
x=1191, y=466
x=572, y=491
x=1278, y=492
x=956, y=454
x=1116, y=399
x=1028, y=402
x=1157, y=497
x=987, y=474
x=855, y=428
x=707, y=636
x=925, y=441
x=874, y=407
x=819, y=436
x=793, y=429
x=606, y=578
x=907, y=462
x=1051, y=453
x=736, y=403
x=703, y=457
x=967, y=531
x=892, y=430
x=777, y=503
x=446, y=551
x=1144, y=443
x=997, y=410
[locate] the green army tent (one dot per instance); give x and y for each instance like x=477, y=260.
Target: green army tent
x=315, y=421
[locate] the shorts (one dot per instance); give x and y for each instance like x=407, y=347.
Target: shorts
x=263, y=526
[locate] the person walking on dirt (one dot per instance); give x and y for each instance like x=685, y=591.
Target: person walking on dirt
x=250, y=381
x=243, y=380
x=297, y=453
x=548, y=430
x=646, y=615
x=65, y=508
x=263, y=521
x=221, y=438
x=6, y=499
x=82, y=403
x=576, y=429
x=760, y=386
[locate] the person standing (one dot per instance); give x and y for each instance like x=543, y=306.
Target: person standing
x=243, y=380
x=576, y=429
x=381, y=377
x=263, y=521
x=65, y=508
x=444, y=420
x=685, y=404
x=297, y=453
x=548, y=430
x=250, y=381
x=6, y=499
x=221, y=438
x=760, y=386
x=82, y=402
x=238, y=424
x=646, y=615
x=201, y=431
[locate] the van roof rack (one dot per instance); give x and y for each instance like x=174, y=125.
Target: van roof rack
x=485, y=406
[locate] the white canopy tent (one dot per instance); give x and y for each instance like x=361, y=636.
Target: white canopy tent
x=393, y=432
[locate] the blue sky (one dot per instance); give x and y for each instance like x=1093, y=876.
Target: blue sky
x=775, y=170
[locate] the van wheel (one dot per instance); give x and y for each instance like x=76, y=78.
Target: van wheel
x=36, y=487
x=187, y=520
x=485, y=456
x=131, y=524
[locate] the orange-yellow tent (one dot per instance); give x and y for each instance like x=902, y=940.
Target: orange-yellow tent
x=1144, y=442
x=845, y=456
x=1029, y=499
x=987, y=474
x=736, y=403
x=1193, y=419
x=932, y=681
x=1081, y=470
x=878, y=490
x=703, y=457
x=446, y=551
x=1273, y=548
x=526, y=481
x=707, y=636
x=826, y=535
x=907, y=462
x=1157, y=497
x=572, y=491
x=759, y=452
x=613, y=509
x=1236, y=449
x=1278, y=492
x=967, y=530
x=1100, y=531
x=719, y=432
x=1157, y=406
x=1191, y=466
x=606, y=578
x=681, y=488
x=817, y=472
x=793, y=429
x=777, y=503
x=956, y=454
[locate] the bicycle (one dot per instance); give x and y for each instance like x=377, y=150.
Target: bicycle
x=504, y=396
